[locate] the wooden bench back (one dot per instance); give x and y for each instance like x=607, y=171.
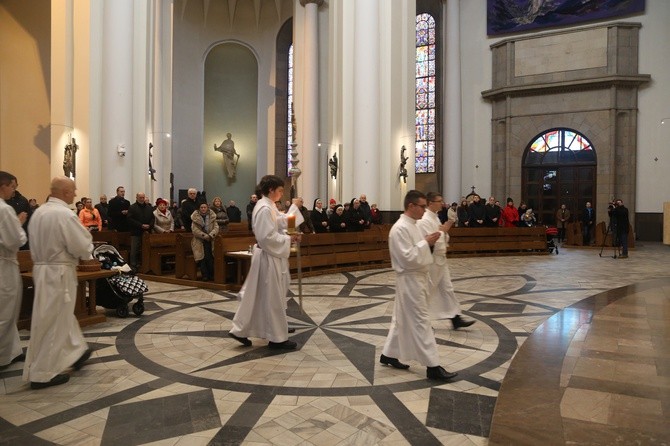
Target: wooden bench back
x=497, y=241
x=25, y=261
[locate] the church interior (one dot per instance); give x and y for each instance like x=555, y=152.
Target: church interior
x=342, y=98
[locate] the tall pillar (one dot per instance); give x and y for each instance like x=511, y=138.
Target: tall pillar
x=161, y=111
x=366, y=100
x=309, y=121
x=452, y=147
x=62, y=62
x=116, y=97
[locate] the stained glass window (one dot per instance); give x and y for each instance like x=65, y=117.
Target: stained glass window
x=424, y=160
x=559, y=146
x=289, y=131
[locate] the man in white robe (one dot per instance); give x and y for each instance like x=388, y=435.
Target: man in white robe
x=263, y=301
x=442, y=300
x=12, y=237
x=57, y=241
x=411, y=336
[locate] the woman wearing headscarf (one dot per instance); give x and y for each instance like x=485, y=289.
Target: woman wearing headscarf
x=163, y=217
x=204, y=228
x=337, y=221
x=355, y=217
x=319, y=217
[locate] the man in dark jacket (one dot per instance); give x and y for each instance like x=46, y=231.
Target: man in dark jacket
x=118, y=211
x=250, y=208
x=140, y=219
x=188, y=207
x=620, y=224
x=492, y=213
x=234, y=213
x=103, y=209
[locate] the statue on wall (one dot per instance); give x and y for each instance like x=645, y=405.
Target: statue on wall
x=70, y=159
x=332, y=163
x=230, y=156
x=403, y=163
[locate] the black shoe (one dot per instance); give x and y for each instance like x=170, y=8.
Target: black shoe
x=393, y=362
x=79, y=363
x=291, y=330
x=459, y=322
x=286, y=345
x=439, y=373
x=56, y=380
x=244, y=341
x=20, y=358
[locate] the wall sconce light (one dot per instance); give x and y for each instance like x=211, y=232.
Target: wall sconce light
x=402, y=170
x=121, y=150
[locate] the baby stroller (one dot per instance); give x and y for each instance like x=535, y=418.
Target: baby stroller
x=551, y=233
x=116, y=292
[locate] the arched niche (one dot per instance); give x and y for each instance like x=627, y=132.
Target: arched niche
x=230, y=106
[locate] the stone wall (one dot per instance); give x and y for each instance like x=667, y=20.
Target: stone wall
x=586, y=80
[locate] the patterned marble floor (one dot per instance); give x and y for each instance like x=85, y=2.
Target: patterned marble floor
x=173, y=377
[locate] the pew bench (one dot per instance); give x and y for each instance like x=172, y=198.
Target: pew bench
x=497, y=241
x=158, y=251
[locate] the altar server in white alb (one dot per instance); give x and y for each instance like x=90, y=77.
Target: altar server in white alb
x=12, y=237
x=262, y=310
x=442, y=300
x=411, y=336
x=57, y=241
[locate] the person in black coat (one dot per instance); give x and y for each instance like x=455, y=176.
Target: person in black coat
x=588, y=219
x=118, y=211
x=140, y=220
x=463, y=215
x=188, y=207
x=234, y=213
x=319, y=217
x=477, y=212
x=620, y=226
x=355, y=217
x=337, y=221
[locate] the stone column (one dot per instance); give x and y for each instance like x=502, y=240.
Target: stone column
x=161, y=112
x=308, y=122
x=366, y=99
x=116, y=97
x=452, y=146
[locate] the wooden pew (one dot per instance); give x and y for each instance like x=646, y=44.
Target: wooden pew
x=497, y=241
x=119, y=240
x=222, y=265
x=184, y=267
x=156, y=249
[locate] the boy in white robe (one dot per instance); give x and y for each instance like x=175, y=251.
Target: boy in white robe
x=411, y=335
x=441, y=296
x=57, y=241
x=12, y=237
x=262, y=310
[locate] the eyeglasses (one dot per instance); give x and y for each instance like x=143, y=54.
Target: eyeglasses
x=437, y=201
x=423, y=206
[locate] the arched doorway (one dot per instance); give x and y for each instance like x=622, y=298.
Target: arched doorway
x=559, y=167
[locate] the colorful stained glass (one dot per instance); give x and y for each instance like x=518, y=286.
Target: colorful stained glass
x=289, y=130
x=425, y=119
x=560, y=146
